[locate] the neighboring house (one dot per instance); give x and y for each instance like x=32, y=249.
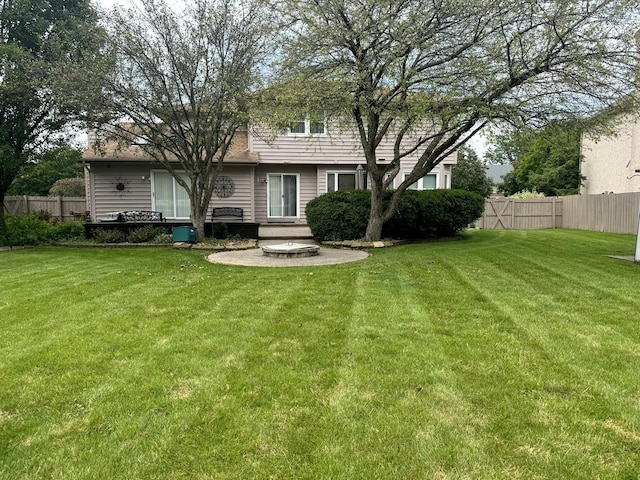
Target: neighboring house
x=270, y=179
x=612, y=164
x=496, y=173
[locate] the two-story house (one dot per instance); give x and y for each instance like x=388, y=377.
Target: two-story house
x=271, y=179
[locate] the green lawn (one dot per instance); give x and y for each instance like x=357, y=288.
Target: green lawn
x=506, y=355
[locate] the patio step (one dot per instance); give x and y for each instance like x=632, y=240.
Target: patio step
x=285, y=231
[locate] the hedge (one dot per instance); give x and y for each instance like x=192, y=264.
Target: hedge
x=421, y=214
x=32, y=229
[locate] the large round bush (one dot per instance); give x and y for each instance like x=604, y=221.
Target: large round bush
x=339, y=215
x=434, y=213
x=421, y=214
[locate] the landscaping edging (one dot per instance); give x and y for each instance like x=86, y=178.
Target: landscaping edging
x=247, y=244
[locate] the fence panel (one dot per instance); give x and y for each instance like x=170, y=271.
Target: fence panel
x=64, y=208
x=532, y=213
x=615, y=213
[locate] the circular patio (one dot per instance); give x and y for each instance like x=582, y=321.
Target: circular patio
x=255, y=257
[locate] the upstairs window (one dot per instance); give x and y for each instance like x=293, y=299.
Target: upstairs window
x=314, y=125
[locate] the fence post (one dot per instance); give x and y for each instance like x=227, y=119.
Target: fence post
x=513, y=213
x=59, y=203
x=484, y=214
x=553, y=208
x=25, y=200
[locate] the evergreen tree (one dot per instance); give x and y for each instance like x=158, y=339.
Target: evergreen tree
x=470, y=173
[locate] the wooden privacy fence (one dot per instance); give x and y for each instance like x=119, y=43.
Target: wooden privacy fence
x=529, y=214
x=615, y=213
x=63, y=208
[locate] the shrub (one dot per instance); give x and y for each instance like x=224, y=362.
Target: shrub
x=68, y=230
x=220, y=230
x=163, y=238
x=421, y=214
x=32, y=229
x=528, y=194
x=434, y=213
x=339, y=215
x=144, y=234
x=68, y=187
x=27, y=230
x=108, y=236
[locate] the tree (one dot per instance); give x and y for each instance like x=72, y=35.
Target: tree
x=430, y=75
x=182, y=82
x=45, y=47
x=470, y=173
x=68, y=187
x=37, y=178
x=545, y=160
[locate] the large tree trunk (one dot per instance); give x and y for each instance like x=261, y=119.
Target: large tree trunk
x=374, y=227
x=198, y=218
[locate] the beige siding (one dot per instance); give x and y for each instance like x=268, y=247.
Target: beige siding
x=609, y=163
x=333, y=148
x=308, y=188
x=135, y=196
x=137, y=193
x=336, y=148
x=243, y=178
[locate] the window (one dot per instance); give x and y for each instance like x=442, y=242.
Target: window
x=309, y=126
x=283, y=196
x=168, y=196
x=340, y=181
x=428, y=182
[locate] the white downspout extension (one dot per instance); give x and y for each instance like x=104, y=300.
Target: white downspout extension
x=636, y=257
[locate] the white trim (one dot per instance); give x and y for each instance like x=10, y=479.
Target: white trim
x=420, y=181
x=339, y=172
x=297, y=175
x=307, y=128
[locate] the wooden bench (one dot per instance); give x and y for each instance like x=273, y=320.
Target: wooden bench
x=141, y=216
x=227, y=212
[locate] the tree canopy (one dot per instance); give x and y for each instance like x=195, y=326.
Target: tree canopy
x=470, y=173
x=45, y=49
x=429, y=74
x=181, y=85
x=545, y=160
x=37, y=177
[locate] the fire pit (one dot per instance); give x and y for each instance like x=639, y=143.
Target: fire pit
x=290, y=250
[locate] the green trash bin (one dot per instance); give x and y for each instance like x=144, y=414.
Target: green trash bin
x=184, y=234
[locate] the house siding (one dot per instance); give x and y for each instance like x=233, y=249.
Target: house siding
x=135, y=196
x=609, y=164
x=243, y=178
x=308, y=188
x=309, y=157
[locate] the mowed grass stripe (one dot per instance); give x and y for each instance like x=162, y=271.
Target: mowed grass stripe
x=256, y=413
x=472, y=359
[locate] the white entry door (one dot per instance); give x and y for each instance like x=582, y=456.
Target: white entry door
x=282, y=199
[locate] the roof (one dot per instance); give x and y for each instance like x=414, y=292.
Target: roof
x=113, y=151
x=496, y=171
